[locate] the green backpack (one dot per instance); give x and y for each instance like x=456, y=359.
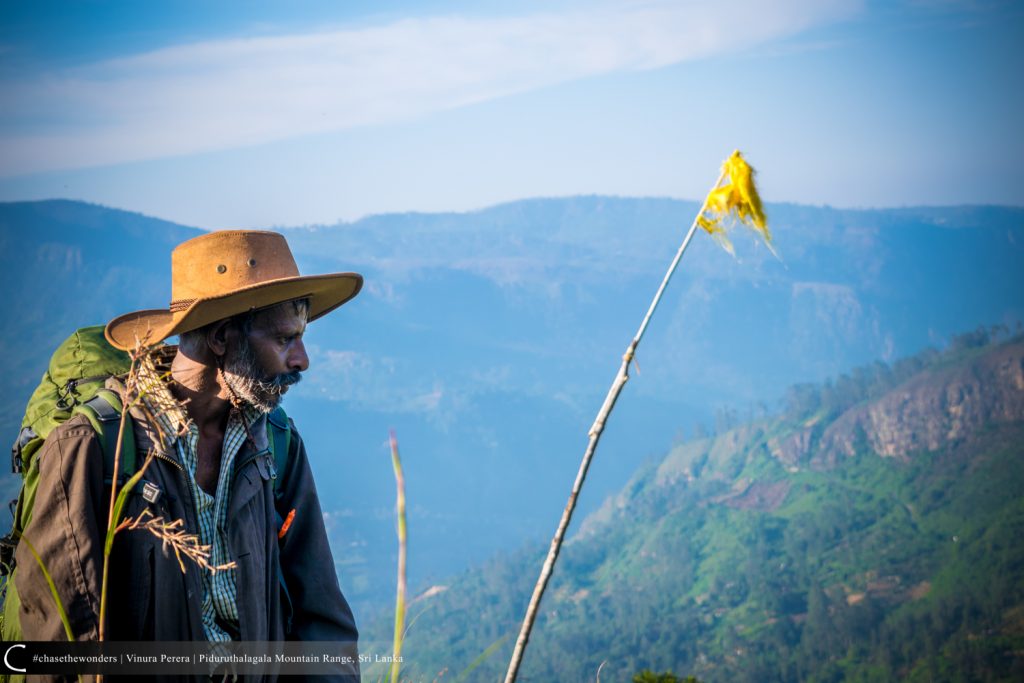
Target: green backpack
x=74, y=384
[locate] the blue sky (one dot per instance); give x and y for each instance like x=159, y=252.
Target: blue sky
x=266, y=113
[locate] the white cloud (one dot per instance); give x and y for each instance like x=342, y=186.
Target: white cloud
x=230, y=93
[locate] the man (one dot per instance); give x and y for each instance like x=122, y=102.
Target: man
x=240, y=308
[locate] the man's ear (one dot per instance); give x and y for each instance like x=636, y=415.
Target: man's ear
x=220, y=336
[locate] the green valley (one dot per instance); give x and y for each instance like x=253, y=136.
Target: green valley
x=872, y=532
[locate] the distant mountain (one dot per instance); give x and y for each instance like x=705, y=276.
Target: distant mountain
x=488, y=339
x=872, y=534
x=64, y=265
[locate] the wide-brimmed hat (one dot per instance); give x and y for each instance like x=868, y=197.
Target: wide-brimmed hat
x=224, y=273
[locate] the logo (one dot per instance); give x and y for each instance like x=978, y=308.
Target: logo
x=7, y=654
x=151, y=492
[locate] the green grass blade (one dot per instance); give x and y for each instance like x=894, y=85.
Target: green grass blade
x=483, y=657
x=396, y=462
x=53, y=589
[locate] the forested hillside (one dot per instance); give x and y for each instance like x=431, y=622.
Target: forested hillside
x=871, y=533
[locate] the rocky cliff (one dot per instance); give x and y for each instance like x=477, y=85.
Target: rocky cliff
x=935, y=409
x=954, y=397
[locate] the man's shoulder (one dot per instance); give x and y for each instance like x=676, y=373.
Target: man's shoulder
x=76, y=426
x=74, y=435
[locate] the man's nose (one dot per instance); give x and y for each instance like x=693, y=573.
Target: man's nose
x=297, y=358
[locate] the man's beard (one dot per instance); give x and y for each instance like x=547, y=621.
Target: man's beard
x=249, y=382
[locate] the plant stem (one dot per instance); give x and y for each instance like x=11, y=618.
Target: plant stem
x=111, y=522
x=396, y=462
x=117, y=497
x=595, y=436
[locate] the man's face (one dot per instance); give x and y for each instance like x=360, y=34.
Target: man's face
x=270, y=359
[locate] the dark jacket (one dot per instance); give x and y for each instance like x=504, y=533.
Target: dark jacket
x=149, y=598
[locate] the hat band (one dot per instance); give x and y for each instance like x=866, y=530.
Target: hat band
x=181, y=304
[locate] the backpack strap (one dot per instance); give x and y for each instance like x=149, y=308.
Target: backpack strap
x=104, y=413
x=279, y=432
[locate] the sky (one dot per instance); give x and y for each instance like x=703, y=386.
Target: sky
x=262, y=114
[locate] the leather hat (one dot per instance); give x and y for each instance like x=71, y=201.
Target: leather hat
x=224, y=273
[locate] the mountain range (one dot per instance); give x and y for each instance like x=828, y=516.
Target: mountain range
x=487, y=340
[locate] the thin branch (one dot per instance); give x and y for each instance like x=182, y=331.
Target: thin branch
x=595, y=436
x=174, y=536
x=130, y=383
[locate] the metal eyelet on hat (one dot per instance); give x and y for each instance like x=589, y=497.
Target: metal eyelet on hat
x=252, y=262
x=222, y=269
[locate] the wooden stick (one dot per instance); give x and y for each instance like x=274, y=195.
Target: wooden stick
x=595, y=436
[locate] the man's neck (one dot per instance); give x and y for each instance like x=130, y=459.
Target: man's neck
x=200, y=389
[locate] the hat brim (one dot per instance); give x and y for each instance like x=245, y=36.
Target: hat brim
x=325, y=293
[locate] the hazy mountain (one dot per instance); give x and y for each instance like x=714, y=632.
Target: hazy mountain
x=64, y=265
x=488, y=340
x=868, y=534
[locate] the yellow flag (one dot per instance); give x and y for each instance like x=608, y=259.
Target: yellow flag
x=736, y=199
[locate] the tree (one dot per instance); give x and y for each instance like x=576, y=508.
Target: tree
x=648, y=676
